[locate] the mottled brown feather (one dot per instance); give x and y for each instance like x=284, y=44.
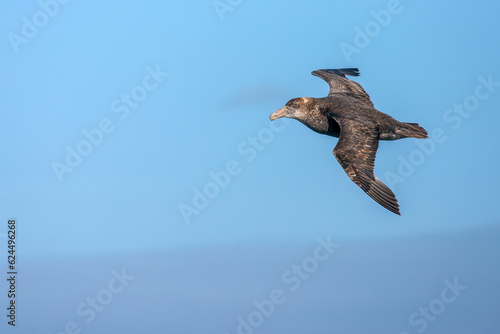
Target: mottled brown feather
x=340, y=84
x=355, y=151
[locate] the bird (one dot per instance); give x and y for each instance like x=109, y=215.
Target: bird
x=348, y=113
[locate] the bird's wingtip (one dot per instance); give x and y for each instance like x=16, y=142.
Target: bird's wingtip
x=350, y=71
x=338, y=71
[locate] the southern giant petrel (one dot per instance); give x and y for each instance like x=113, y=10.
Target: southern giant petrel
x=348, y=114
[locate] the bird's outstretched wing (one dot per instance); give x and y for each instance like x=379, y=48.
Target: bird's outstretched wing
x=339, y=83
x=355, y=151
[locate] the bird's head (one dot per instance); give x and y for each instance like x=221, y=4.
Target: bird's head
x=299, y=109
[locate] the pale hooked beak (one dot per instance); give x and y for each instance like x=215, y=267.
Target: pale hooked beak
x=279, y=113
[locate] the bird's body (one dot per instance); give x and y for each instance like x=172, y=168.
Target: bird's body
x=348, y=114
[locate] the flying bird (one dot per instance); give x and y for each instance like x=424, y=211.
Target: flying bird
x=348, y=114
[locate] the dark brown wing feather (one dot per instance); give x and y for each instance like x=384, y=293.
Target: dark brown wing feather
x=355, y=151
x=339, y=83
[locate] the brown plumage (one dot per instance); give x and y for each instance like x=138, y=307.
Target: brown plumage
x=348, y=114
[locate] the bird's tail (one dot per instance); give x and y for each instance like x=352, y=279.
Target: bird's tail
x=412, y=130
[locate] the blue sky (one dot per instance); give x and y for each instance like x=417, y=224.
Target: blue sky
x=163, y=97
